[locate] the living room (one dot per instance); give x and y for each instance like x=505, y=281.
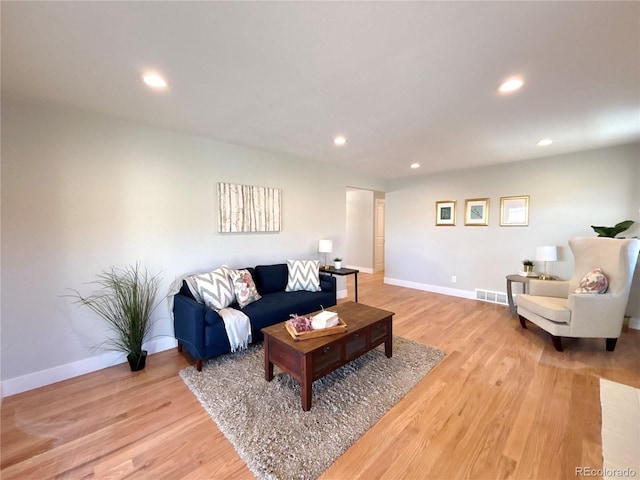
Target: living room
x=85, y=188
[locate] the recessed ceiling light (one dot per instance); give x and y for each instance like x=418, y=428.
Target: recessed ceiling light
x=544, y=142
x=511, y=85
x=340, y=140
x=415, y=165
x=154, y=80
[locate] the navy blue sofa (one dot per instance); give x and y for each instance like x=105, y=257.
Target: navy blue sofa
x=201, y=331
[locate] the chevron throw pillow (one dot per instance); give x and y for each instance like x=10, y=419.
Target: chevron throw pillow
x=303, y=275
x=216, y=288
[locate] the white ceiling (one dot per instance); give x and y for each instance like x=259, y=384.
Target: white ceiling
x=403, y=81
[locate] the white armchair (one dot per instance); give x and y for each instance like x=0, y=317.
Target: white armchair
x=554, y=307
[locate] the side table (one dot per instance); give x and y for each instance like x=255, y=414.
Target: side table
x=525, y=284
x=342, y=272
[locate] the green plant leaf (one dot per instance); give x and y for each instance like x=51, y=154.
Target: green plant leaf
x=612, y=232
x=622, y=226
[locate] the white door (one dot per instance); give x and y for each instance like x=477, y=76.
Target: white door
x=378, y=248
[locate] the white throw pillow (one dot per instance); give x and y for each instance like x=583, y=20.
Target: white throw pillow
x=303, y=275
x=215, y=288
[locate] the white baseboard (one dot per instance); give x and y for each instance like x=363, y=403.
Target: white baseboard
x=30, y=381
x=634, y=323
x=342, y=294
x=454, y=292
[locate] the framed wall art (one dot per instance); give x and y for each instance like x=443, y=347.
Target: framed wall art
x=476, y=212
x=446, y=213
x=514, y=211
x=246, y=208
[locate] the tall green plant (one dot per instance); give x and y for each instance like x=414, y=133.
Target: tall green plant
x=125, y=300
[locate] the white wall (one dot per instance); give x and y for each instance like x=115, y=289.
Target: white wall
x=360, y=217
x=568, y=193
x=82, y=193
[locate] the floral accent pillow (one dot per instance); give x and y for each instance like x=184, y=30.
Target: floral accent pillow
x=245, y=288
x=593, y=282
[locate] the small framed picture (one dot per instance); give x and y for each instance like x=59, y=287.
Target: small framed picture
x=446, y=213
x=476, y=212
x=514, y=211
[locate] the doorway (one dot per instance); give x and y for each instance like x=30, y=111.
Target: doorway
x=365, y=229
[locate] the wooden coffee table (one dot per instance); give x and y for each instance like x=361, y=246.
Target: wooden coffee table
x=311, y=359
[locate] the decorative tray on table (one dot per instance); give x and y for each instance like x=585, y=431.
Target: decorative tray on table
x=300, y=328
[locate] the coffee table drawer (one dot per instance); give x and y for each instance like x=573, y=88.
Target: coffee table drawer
x=379, y=332
x=355, y=345
x=285, y=358
x=327, y=358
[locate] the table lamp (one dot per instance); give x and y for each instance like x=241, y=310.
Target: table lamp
x=548, y=253
x=325, y=246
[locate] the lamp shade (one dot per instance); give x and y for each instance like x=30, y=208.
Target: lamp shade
x=547, y=253
x=325, y=246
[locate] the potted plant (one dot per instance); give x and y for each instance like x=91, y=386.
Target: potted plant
x=528, y=265
x=337, y=263
x=125, y=300
x=612, y=232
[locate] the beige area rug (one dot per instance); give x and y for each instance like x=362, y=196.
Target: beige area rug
x=620, y=430
x=266, y=424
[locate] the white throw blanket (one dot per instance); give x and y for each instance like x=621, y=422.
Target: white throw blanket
x=238, y=328
x=236, y=323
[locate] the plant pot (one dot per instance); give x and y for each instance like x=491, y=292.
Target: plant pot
x=528, y=268
x=137, y=363
x=337, y=265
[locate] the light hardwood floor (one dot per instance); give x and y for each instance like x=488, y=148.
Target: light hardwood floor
x=502, y=404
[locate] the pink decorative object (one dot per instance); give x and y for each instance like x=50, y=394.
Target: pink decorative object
x=301, y=324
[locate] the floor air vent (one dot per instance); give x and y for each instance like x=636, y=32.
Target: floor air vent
x=491, y=297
